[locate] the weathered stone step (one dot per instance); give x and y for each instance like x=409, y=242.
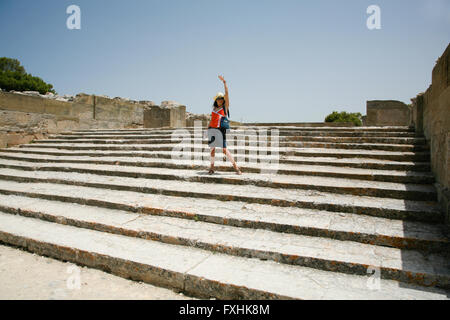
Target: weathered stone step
x=165, y=133
x=368, y=154
x=359, y=146
x=357, y=162
x=324, y=184
x=283, y=147
x=188, y=140
x=248, y=151
x=239, y=137
x=426, y=211
x=282, y=141
x=287, y=128
x=379, y=140
x=194, y=271
x=287, y=169
x=22, y=198
x=408, y=266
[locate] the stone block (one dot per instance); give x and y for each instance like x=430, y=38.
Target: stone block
x=40, y=136
x=191, y=118
x=173, y=116
x=417, y=113
x=26, y=103
x=178, y=117
x=3, y=140
x=18, y=138
x=388, y=113
x=65, y=125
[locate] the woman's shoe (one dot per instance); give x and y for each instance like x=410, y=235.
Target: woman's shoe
x=211, y=171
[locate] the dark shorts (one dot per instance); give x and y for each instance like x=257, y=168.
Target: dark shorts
x=217, y=137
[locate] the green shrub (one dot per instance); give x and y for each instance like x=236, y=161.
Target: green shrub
x=345, y=117
x=14, y=77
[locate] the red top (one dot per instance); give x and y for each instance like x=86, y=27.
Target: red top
x=215, y=118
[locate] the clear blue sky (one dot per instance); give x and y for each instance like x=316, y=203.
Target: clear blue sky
x=286, y=60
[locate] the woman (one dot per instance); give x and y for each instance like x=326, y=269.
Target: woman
x=220, y=109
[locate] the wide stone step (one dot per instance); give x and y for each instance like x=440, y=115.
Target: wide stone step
x=426, y=211
x=292, y=148
x=323, y=209
x=249, y=167
x=250, y=132
x=325, y=184
x=188, y=141
x=191, y=270
x=286, y=128
x=357, y=162
x=408, y=266
x=168, y=139
x=24, y=200
x=359, y=146
x=315, y=159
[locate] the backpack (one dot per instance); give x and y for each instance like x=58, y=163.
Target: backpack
x=224, y=122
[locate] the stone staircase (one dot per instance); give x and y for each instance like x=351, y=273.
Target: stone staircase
x=351, y=212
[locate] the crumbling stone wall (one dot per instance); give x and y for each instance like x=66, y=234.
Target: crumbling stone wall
x=387, y=113
x=21, y=127
x=28, y=116
x=431, y=115
x=116, y=110
x=192, y=117
x=168, y=114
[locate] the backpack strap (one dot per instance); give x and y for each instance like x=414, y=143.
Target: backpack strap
x=217, y=112
x=227, y=114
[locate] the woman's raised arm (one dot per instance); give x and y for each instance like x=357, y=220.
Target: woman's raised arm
x=227, y=100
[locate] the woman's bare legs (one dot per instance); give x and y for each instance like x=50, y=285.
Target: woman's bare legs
x=213, y=153
x=230, y=157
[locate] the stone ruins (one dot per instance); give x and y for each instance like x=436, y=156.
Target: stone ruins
x=350, y=213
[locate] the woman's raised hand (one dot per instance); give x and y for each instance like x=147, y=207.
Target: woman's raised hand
x=221, y=78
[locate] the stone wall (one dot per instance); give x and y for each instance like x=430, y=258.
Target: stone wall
x=431, y=115
x=18, y=127
x=387, y=113
x=118, y=110
x=167, y=115
x=192, y=117
x=25, y=117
